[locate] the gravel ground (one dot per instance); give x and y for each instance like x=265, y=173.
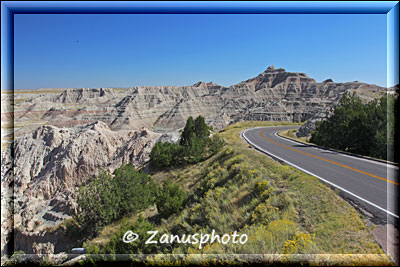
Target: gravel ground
x=388, y=237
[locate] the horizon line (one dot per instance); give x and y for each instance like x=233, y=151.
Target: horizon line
x=164, y=85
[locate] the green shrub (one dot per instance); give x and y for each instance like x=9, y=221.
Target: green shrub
x=195, y=144
x=96, y=203
x=201, y=129
x=366, y=129
x=134, y=189
x=170, y=199
x=187, y=132
x=215, y=144
x=165, y=155
x=106, y=199
x=193, y=149
x=116, y=245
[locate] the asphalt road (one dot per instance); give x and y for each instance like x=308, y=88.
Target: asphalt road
x=372, y=185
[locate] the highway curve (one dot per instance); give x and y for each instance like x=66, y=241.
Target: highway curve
x=372, y=185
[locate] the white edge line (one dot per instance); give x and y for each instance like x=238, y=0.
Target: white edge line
x=297, y=167
x=388, y=165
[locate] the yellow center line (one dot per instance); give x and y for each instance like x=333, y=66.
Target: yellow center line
x=330, y=161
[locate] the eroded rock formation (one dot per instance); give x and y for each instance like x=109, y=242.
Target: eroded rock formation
x=48, y=165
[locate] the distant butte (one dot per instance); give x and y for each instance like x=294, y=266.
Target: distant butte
x=202, y=83
x=272, y=69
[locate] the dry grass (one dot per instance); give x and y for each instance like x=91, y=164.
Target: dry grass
x=338, y=228
x=223, y=197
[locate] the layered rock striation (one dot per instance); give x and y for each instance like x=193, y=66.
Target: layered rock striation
x=42, y=171
x=274, y=94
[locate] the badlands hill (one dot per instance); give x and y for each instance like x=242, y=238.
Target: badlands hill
x=274, y=94
x=63, y=136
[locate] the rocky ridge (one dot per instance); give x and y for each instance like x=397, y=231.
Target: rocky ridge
x=274, y=94
x=48, y=165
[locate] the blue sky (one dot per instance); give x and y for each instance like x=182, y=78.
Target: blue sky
x=59, y=51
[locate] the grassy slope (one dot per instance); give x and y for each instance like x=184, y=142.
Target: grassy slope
x=337, y=226
x=242, y=189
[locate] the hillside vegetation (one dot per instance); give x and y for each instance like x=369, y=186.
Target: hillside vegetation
x=282, y=210
x=194, y=146
x=365, y=129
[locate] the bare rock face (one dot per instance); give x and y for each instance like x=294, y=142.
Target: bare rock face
x=306, y=129
x=275, y=94
x=278, y=95
x=171, y=137
x=83, y=95
x=52, y=162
